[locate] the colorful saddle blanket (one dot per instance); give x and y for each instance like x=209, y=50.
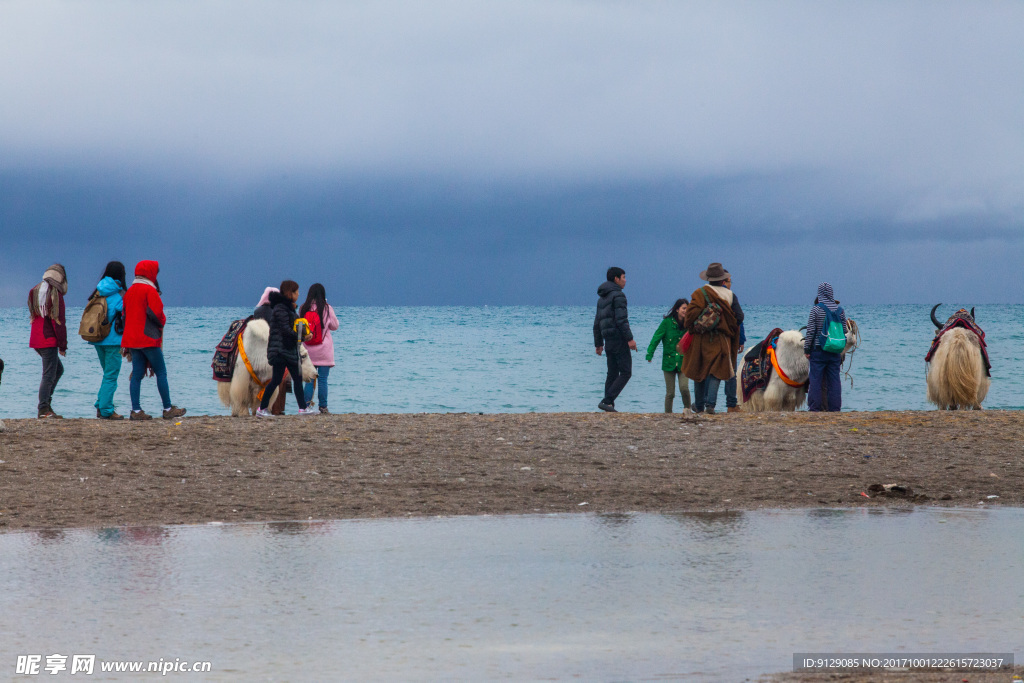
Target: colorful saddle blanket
x=962, y=319
x=226, y=353
x=758, y=368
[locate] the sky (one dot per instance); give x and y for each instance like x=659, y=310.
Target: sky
x=509, y=152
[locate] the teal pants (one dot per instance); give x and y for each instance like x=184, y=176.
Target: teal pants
x=110, y=361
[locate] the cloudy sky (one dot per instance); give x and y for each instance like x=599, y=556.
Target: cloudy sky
x=509, y=152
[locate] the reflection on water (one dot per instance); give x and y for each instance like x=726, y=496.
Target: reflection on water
x=49, y=535
x=145, y=535
x=703, y=595
x=615, y=519
x=710, y=523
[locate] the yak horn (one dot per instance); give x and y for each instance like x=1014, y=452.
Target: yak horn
x=802, y=328
x=937, y=324
x=972, y=312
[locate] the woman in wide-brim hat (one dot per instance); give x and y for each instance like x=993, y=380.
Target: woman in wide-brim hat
x=710, y=358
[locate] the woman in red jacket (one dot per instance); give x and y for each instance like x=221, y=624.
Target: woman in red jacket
x=144, y=321
x=49, y=332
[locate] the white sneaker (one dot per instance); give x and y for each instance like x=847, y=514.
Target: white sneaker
x=260, y=412
x=308, y=410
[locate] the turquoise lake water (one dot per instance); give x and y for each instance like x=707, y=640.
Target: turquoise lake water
x=499, y=359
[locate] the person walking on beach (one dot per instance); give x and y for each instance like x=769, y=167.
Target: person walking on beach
x=823, y=346
x=112, y=287
x=320, y=347
x=49, y=334
x=711, y=320
x=613, y=336
x=732, y=405
x=669, y=332
x=143, y=336
x=283, y=347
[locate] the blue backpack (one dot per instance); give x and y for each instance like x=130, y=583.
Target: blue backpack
x=831, y=339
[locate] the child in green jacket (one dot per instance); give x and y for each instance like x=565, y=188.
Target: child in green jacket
x=670, y=331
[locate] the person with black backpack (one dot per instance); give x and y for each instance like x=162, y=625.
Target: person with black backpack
x=823, y=346
x=102, y=326
x=322, y=321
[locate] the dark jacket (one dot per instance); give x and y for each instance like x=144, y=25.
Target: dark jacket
x=283, y=344
x=737, y=311
x=264, y=312
x=611, y=324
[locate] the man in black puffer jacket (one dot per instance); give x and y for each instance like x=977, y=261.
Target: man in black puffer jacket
x=613, y=336
x=283, y=345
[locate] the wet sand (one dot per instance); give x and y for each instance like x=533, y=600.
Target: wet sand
x=73, y=473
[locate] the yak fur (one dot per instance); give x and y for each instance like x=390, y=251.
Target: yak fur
x=241, y=393
x=956, y=374
x=779, y=396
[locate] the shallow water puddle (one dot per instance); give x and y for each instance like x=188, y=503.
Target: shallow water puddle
x=714, y=595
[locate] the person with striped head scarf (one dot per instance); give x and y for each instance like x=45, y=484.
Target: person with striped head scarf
x=825, y=391
x=49, y=336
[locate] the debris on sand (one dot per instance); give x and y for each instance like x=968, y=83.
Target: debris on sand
x=895, y=491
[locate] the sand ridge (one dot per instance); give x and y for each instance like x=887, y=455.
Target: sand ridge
x=87, y=472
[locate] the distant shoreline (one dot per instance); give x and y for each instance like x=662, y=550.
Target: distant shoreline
x=88, y=472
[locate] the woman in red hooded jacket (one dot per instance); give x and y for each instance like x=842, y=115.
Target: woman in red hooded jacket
x=144, y=321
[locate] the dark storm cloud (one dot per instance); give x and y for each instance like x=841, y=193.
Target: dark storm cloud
x=421, y=240
x=471, y=152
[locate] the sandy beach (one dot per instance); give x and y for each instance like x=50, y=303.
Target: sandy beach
x=72, y=473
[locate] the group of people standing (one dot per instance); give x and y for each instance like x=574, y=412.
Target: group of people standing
x=134, y=316
x=123, y=321
x=277, y=308
x=702, y=338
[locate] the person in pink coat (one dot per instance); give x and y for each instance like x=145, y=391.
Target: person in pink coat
x=322, y=321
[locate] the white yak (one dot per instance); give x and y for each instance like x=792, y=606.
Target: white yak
x=789, y=351
x=956, y=376
x=242, y=392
